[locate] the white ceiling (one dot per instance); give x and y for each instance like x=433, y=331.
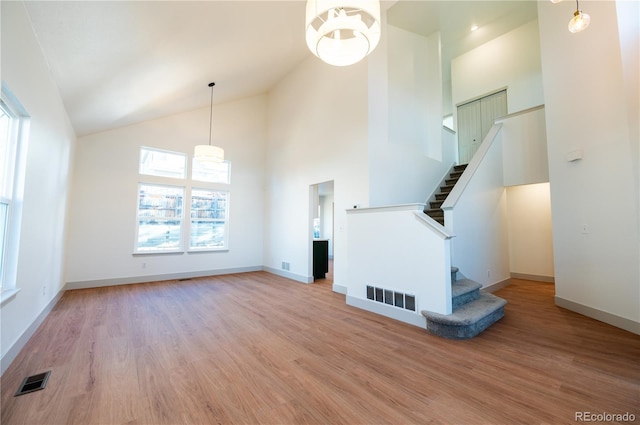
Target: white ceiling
x=122, y=62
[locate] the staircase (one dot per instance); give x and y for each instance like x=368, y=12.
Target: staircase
x=473, y=311
x=434, y=210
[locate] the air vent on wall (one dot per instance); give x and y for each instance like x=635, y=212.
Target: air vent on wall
x=393, y=298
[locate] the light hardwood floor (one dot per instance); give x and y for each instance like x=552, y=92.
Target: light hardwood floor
x=255, y=348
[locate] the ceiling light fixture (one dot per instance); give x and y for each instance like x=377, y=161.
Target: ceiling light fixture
x=580, y=20
x=474, y=27
x=209, y=153
x=342, y=32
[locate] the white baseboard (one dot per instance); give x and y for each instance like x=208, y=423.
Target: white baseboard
x=536, y=278
x=406, y=316
x=157, y=278
x=13, y=351
x=341, y=289
x=603, y=316
x=288, y=274
x=495, y=286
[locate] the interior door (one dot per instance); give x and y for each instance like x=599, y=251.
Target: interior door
x=469, y=130
x=475, y=119
x=492, y=107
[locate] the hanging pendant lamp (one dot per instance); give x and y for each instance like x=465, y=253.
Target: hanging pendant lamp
x=580, y=20
x=342, y=32
x=209, y=153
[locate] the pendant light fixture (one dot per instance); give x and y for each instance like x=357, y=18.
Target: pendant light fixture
x=209, y=153
x=580, y=20
x=342, y=32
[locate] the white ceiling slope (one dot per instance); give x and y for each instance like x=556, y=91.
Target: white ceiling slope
x=121, y=62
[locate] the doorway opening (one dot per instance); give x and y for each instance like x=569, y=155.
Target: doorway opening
x=322, y=231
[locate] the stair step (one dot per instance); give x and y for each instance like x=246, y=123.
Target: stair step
x=455, y=174
x=468, y=320
x=435, y=204
x=446, y=188
x=441, y=196
x=434, y=213
x=451, y=182
x=464, y=291
x=460, y=167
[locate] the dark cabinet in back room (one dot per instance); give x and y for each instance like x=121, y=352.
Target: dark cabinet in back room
x=320, y=258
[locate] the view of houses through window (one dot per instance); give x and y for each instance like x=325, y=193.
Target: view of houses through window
x=161, y=224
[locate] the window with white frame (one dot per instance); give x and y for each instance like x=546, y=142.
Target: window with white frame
x=14, y=123
x=157, y=162
x=159, y=218
x=172, y=216
x=209, y=210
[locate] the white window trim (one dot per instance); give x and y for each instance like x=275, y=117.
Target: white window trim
x=188, y=184
x=225, y=247
x=14, y=220
x=182, y=219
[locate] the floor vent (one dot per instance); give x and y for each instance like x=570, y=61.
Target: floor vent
x=33, y=383
x=393, y=298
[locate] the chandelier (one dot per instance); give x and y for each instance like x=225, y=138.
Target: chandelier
x=342, y=32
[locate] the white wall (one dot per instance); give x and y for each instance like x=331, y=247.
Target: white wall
x=51, y=142
x=103, y=207
x=524, y=148
x=407, y=156
x=480, y=248
x=395, y=248
x=511, y=60
x=588, y=108
x=317, y=133
x=530, y=232
x=326, y=220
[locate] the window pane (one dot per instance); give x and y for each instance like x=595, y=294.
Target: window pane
x=158, y=235
x=156, y=162
x=159, y=218
x=207, y=234
x=4, y=208
x=160, y=201
x=208, y=204
x=208, y=214
x=211, y=172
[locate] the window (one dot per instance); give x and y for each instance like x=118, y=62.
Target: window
x=211, y=172
x=159, y=218
x=208, y=219
x=156, y=162
x=14, y=124
x=171, y=216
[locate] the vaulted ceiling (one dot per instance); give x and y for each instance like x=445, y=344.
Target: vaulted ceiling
x=122, y=62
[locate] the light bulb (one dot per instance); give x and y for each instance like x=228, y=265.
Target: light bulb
x=579, y=22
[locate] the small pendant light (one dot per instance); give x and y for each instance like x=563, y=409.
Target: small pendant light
x=209, y=153
x=580, y=20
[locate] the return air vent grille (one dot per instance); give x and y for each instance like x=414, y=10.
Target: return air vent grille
x=393, y=298
x=33, y=383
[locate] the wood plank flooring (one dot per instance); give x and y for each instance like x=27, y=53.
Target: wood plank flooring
x=255, y=348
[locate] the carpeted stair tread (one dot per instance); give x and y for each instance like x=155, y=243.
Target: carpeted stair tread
x=434, y=212
x=469, y=313
x=464, y=291
x=464, y=286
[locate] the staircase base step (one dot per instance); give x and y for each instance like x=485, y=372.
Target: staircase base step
x=464, y=291
x=468, y=320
